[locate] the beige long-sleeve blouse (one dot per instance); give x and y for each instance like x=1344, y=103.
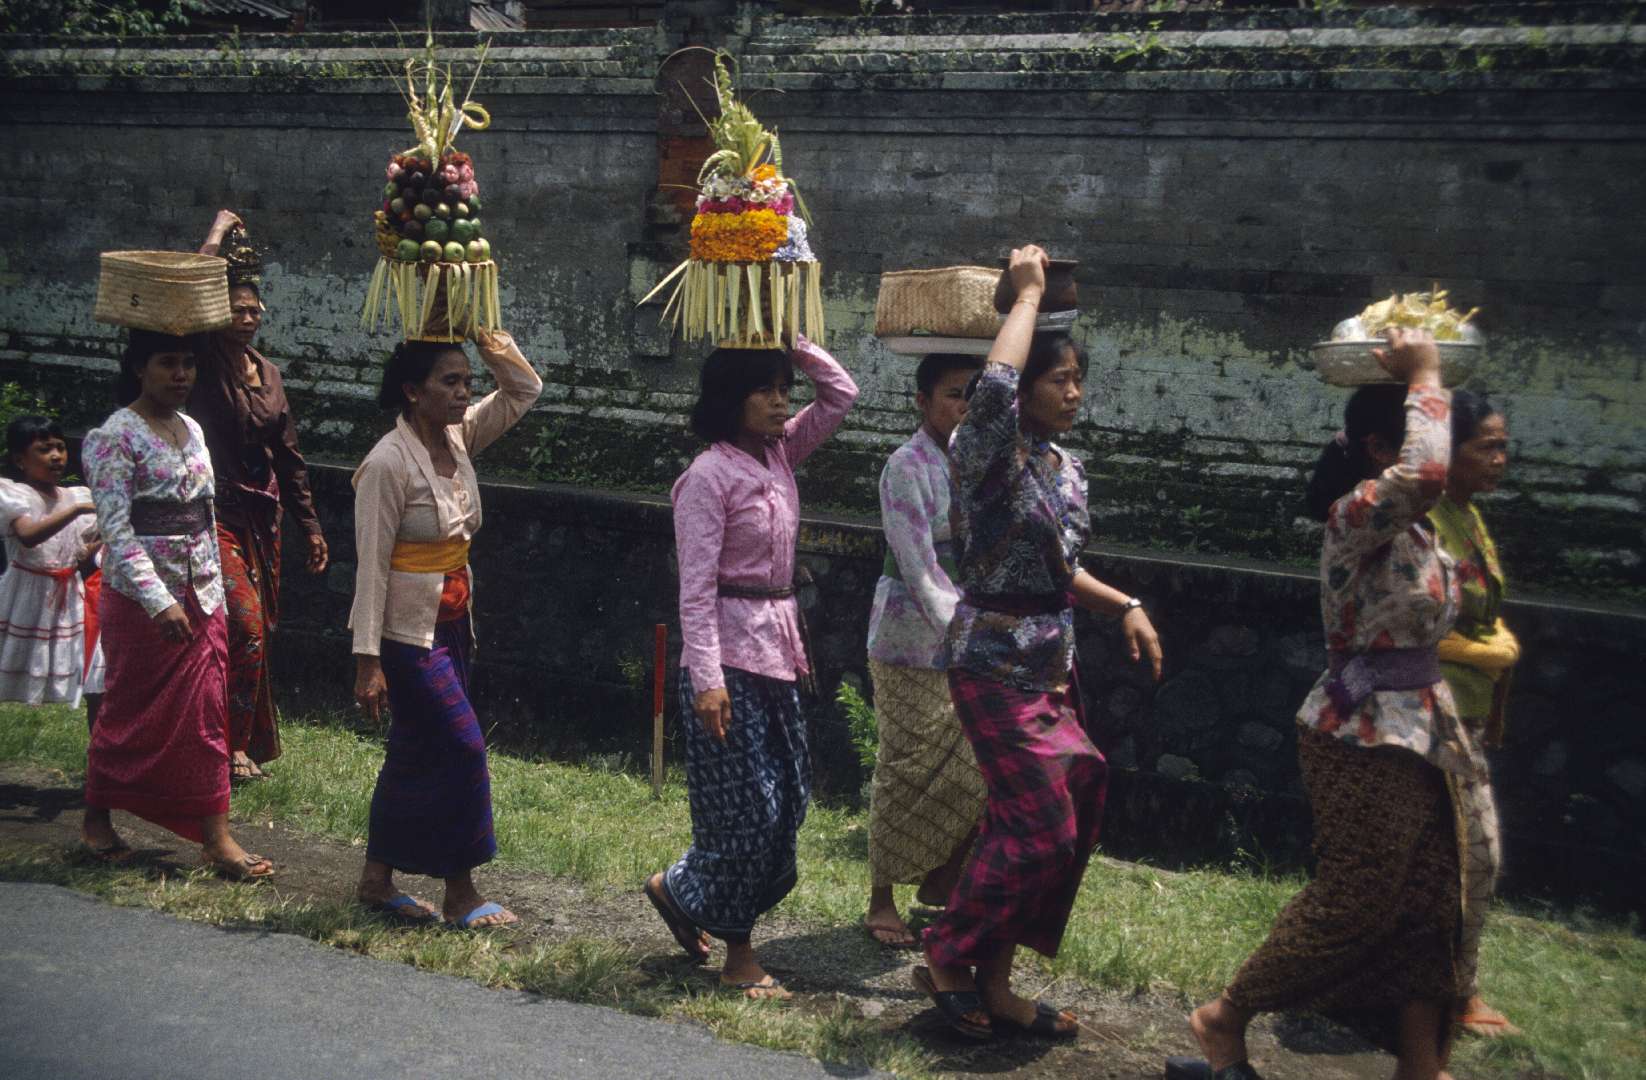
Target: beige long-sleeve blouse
x=398, y=496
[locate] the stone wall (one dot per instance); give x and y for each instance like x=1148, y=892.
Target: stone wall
x=569, y=585
x=1233, y=183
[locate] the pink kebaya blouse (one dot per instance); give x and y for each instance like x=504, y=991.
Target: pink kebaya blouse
x=735, y=522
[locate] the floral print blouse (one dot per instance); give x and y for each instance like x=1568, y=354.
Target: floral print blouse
x=1020, y=524
x=125, y=461
x=1386, y=583
x=911, y=611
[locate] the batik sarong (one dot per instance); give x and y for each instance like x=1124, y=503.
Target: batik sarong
x=251, y=594
x=1378, y=926
x=1046, y=786
x=748, y=799
x=928, y=795
x=431, y=812
x=160, y=747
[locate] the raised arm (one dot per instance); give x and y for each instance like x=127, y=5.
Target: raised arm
x=110, y=471
x=1027, y=270
x=836, y=391
x=908, y=507
x=220, y=226
x=1381, y=508
x=518, y=388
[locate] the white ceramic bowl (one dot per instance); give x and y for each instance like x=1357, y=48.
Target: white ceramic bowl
x=1351, y=363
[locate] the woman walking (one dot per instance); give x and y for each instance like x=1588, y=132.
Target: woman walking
x=1477, y=657
x=1022, y=520
x=1375, y=935
x=927, y=794
x=736, y=515
x=416, y=508
x=240, y=403
x=158, y=747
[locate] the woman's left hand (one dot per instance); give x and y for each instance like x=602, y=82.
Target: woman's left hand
x=318, y=555
x=1141, y=639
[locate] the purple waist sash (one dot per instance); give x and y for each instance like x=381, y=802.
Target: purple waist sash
x=1356, y=676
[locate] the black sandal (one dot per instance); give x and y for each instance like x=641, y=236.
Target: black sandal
x=1045, y=1023
x=954, y=1005
x=686, y=933
x=1188, y=1068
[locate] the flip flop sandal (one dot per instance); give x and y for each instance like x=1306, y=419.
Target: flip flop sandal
x=249, y=868
x=114, y=854
x=770, y=982
x=405, y=909
x=1046, y=1023
x=875, y=931
x=1188, y=1068
x=686, y=933
x=488, y=908
x=1497, y=1026
x=954, y=1005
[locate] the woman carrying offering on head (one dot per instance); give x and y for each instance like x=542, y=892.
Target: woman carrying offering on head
x=736, y=515
x=240, y=403
x=927, y=794
x=158, y=748
x=416, y=508
x=1479, y=654
x=1021, y=522
x=1389, y=769
x=49, y=532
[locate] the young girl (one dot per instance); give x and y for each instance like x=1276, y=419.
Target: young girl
x=49, y=531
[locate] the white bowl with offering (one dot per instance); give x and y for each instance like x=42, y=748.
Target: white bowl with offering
x=1347, y=360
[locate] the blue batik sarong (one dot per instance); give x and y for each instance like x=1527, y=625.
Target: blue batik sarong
x=432, y=810
x=748, y=799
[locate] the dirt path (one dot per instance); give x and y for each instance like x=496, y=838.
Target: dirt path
x=1126, y=1037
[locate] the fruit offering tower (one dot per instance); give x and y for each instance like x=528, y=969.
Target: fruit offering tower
x=751, y=279
x=436, y=270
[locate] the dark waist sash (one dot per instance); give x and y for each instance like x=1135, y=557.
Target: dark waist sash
x=1356, y=676
x=802, y=578
x=1019, y=604
x=159, y=517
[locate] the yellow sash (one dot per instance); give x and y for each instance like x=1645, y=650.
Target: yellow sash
x=429, y=556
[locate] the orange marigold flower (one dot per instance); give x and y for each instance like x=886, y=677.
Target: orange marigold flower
x=752, y=236
x=764, y=172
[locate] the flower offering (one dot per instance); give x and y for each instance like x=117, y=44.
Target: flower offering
x=751, y=278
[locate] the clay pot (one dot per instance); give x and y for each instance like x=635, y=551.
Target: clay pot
x=1060, y=288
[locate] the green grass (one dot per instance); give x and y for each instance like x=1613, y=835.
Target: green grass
x=1575, y=983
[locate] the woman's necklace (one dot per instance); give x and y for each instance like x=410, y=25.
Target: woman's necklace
x=172, y=431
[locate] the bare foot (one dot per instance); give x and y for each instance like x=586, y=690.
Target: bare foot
x=97, y=832
x=1221, y=1031
x=242, y=767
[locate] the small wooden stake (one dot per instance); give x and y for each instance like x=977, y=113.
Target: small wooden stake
x=660, y=659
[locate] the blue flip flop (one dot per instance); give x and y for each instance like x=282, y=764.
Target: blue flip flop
x=488, y=908
x=406, y=909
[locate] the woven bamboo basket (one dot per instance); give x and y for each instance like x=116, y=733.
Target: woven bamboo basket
x=949, y=302
x=170, y=292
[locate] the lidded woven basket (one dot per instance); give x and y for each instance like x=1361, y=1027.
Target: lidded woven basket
x=169, y=292
x=949, y=302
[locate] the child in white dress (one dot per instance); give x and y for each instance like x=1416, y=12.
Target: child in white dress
x=49, y=531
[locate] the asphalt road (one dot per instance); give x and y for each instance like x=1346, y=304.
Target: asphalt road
x=93, y=992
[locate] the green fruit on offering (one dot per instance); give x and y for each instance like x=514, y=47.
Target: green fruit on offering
x=474, y=203
x=441, y=210
x=422, y=212
x=397, y=206
x=390, y=190
x=461, y=210
x=474, y=223
x=461, y=232
x=437, y=230
x=406, y=251
x=485, y=247
x=454, y=252
x=476, y=253
x=430, y=251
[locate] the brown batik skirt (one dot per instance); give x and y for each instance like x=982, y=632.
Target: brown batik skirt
x=1378, y=926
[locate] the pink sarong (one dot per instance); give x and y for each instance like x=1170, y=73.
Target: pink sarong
x=160, y=749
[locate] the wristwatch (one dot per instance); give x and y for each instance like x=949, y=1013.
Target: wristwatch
x=1130, y=605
